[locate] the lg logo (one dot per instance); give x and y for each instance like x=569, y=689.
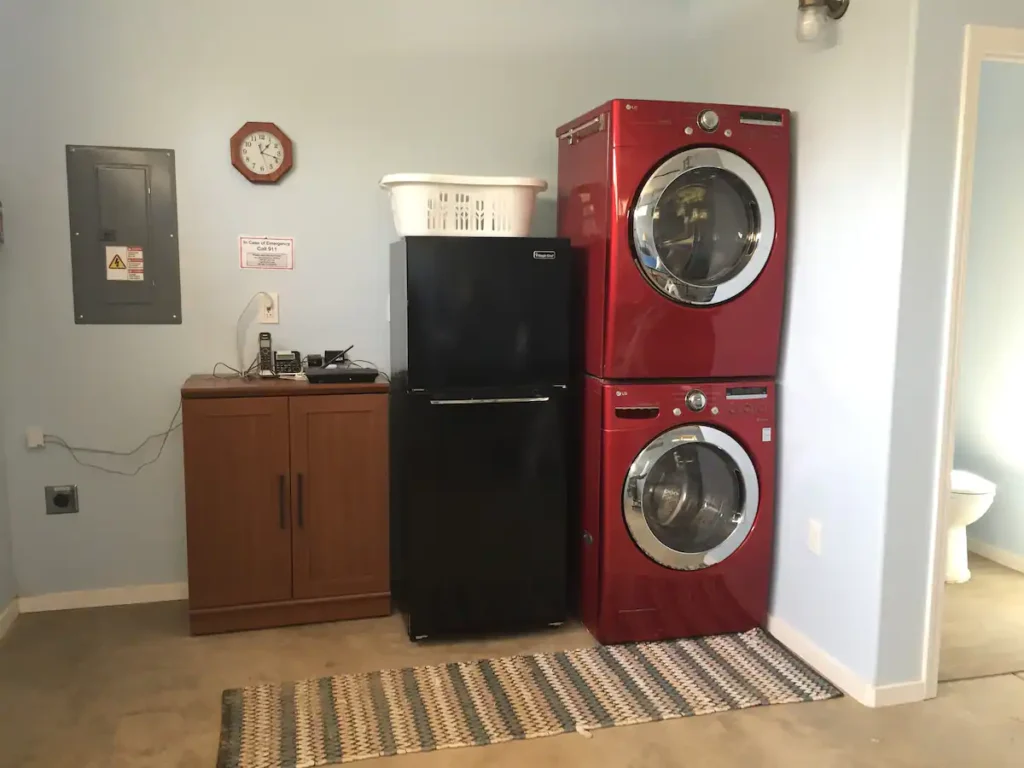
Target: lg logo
x=620, y=393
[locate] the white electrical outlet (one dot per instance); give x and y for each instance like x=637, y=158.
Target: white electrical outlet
x=270, y=312
x=34, y=437
x=814, y=536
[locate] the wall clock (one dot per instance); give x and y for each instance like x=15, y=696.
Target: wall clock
x=261, y=152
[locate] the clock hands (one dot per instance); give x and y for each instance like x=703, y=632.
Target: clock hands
x=262, y=149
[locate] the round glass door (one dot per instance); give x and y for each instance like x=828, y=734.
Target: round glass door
x=690, y=498
x=703, y=226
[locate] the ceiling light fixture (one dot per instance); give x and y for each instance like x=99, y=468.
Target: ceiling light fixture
x=813, y=15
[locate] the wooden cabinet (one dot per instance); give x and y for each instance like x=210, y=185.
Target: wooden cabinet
x=339, y=455
x=286, y=493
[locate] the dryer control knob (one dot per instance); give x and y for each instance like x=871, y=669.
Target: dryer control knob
x=708, y=120
x=696, y=400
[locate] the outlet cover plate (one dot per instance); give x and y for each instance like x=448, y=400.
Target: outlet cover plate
x=61, y=499
x=270, y=310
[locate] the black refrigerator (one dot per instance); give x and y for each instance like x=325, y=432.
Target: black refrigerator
x=480, y=407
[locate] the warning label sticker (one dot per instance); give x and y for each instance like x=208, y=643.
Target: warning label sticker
x=116, y=262
x=124, y=263
x=136, y=269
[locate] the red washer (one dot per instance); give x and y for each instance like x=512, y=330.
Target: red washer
x=682, y=210
x=678, y=508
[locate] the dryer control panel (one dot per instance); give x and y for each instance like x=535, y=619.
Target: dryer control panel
x=690, y=403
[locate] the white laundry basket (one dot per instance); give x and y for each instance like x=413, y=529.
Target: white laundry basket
x=469, y=206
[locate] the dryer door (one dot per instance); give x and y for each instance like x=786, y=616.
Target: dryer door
x=703, y=226
x=690, y=498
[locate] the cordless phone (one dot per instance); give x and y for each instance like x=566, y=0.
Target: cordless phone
x=266, y=359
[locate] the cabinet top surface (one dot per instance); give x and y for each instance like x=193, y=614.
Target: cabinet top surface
x=206, y=385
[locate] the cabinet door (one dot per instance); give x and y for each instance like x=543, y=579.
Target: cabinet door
x=340, y=495
x=237, y=501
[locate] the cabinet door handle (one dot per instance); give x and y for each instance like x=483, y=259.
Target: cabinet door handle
x=300, y=500
x=280, y=502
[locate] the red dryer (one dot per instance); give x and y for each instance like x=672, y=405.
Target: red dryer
x=678, y=508
x=682, y=210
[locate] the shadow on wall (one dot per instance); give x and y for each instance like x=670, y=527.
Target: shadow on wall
x=545, y=218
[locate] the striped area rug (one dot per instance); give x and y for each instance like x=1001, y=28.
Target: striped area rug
x=397, y=711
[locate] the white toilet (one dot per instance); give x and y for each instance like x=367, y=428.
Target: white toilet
x=970, y=498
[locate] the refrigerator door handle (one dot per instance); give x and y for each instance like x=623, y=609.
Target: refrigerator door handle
x=492, y=401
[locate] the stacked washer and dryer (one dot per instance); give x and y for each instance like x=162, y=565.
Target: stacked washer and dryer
x=679, y=211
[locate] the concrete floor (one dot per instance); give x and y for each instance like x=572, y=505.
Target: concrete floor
x=983, y=623
x=119, y=687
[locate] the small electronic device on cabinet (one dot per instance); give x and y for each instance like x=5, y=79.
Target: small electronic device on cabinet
x=266, y=355
x=287, y=363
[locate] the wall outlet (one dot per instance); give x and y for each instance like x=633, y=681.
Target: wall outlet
x=34, y=437
x=61, y=499
x=270, y=311
x=814, y=536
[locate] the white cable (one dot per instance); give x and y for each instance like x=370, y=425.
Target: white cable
x=74, y=450
x=239, y=340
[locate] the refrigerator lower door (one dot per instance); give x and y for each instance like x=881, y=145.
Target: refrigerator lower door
x=486, y=513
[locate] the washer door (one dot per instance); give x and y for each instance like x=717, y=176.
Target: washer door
x=690, y=498
x=703, y=226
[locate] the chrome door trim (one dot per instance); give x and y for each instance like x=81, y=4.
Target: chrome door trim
x=633, y=493
x=492, y=401
x=648, y=258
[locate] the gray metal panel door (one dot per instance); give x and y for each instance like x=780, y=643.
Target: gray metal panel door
x=120, y=198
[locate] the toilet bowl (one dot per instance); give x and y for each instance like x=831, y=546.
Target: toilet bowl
x=970, y=498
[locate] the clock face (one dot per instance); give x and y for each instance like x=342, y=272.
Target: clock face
x=261, y=152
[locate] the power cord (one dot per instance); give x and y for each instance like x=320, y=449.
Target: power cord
x=74, y=450
x=239, y=341
x=235, y=373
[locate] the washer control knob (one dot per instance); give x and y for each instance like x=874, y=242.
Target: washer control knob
x=696, y=400
x=708, y=120
x=677, y=411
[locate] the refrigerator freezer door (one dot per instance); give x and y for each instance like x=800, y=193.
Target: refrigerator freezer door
x=487, y=312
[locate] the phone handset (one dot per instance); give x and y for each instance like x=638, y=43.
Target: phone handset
x=266, y=357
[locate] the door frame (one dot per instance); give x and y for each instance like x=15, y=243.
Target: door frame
x=981, y=44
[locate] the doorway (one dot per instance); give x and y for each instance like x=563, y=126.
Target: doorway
x=976, y=627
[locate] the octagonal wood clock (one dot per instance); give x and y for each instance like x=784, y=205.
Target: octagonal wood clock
x=261, y=152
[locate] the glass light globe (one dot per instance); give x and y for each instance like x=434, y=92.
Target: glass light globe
x=810, y=22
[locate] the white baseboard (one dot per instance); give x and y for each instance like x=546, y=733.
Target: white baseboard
x=7, y=617
x=899, y=693
x=95, y=598
x=1005, y=558
x=841, y=676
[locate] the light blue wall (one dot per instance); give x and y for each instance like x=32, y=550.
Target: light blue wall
x=989, y=422
x=366, y=88
x=8, y=587
x=925, y=282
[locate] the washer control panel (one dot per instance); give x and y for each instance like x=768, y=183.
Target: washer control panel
x=708, y=120
x=696, y=400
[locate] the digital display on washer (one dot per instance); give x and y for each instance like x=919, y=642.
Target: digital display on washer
x=746, y=393
x=760, y=118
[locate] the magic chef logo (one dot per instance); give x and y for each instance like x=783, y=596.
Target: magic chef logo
x=544, y=255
